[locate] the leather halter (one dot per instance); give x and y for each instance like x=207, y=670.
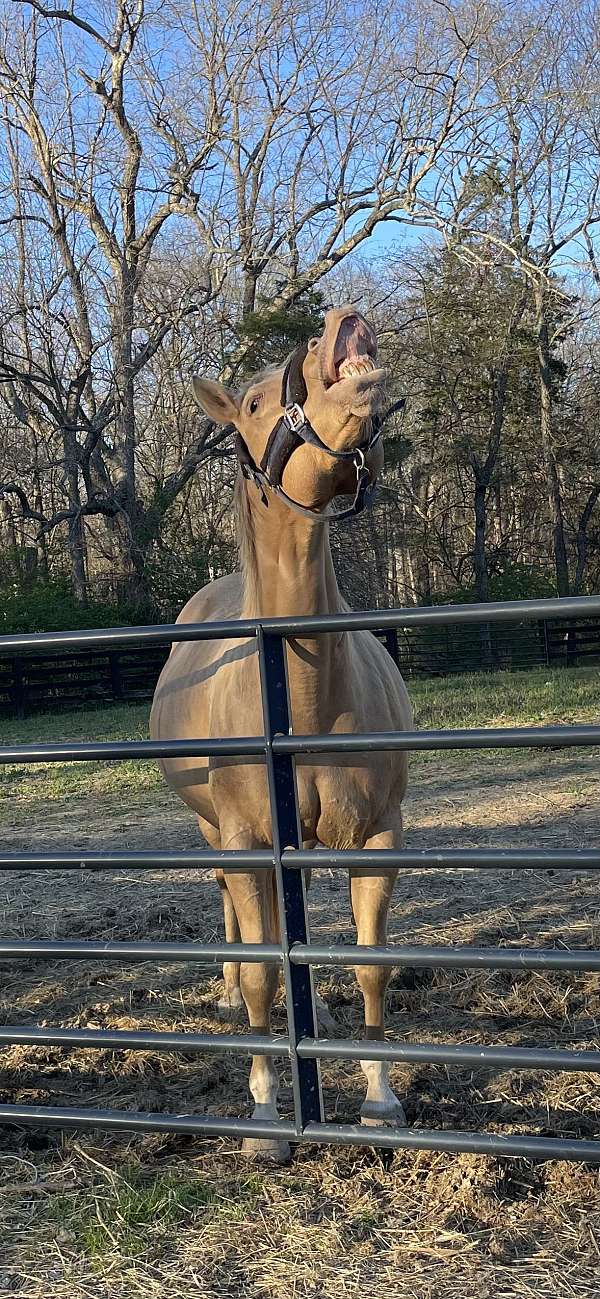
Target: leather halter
x=290, y=431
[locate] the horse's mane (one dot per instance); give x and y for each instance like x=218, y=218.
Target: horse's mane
x=246, y=544
x=244, y=525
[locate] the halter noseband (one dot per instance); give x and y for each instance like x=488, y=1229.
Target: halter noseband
x=290, y=431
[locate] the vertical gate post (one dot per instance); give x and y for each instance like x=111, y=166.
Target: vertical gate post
x=291, y=887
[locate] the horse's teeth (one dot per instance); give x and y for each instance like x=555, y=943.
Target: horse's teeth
x=363, y=365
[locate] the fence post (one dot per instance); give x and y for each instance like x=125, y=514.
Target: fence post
x=116, y=680
x=390, y=636
x=291, y=887
x=571, y=646
x=18, y=690
x=546, y=639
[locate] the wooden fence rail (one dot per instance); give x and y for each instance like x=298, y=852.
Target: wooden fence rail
x=43, y=682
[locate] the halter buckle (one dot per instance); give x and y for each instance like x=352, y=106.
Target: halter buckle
x=294, y=416
x=359, y=459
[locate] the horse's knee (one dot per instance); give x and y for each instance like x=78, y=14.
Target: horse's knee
x=258, y=983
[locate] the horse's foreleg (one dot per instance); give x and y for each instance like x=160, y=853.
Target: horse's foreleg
x=252, y=898
x=231, y=1003
x=371, y=895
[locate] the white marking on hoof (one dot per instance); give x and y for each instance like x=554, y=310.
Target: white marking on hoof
x=374, y=1114
x=381, y=1105
x=264, y=1086
x=278, y=1152
x=231, y=1004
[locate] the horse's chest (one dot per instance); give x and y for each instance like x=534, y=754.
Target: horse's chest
x=338, y=805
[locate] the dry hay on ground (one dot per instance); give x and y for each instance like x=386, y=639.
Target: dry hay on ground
x=125, y=1216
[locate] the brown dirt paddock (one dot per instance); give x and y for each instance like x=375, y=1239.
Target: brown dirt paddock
x=115, y=1216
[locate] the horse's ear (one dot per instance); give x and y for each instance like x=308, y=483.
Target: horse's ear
x=218, y=402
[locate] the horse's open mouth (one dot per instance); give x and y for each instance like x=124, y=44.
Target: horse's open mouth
x=354, y=350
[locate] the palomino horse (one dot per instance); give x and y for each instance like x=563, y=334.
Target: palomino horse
x=291, y=469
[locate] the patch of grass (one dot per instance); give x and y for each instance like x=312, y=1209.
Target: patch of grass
x=543, y=697
x=134, y=1214
x=540, y=697
x=23, y=786
x=119, y=722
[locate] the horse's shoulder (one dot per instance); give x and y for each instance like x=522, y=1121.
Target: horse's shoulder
x=219, y=601
x=379, y=669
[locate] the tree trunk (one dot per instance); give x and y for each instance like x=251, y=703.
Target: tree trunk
x=126, y=383
x=482, y=588
x=550, y=467
x=582, y=539
x=41, y=543
x=75, y=533
x=128, y=529
x=249, y=295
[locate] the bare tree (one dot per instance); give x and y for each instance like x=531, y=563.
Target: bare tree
x=536, y=146
x=273, y=141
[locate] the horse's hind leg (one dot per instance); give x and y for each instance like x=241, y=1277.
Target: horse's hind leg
x=371, y=897
x=324, y=1016
x=231, y=1004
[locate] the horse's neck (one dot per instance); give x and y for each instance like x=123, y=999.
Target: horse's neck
x=286, y=559
x=288, y=570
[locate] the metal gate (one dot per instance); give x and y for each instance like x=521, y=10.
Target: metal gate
x=296, y=955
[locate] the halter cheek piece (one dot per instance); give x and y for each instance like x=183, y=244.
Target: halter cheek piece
x=290, y=431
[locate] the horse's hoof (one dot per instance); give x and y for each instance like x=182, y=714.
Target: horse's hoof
x=273, y=1152
x=230, y=1005
x=325, y=1018
x=225, y=1010
x=376, y=1114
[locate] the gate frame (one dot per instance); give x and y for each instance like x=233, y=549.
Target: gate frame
x=295, y=954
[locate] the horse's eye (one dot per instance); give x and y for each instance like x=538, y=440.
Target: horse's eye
x=254, y=405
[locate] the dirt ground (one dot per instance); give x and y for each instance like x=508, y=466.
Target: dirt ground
x=116, y=1216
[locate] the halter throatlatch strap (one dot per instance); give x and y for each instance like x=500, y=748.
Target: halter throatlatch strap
x=290, y=431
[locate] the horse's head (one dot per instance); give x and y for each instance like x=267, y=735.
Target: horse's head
x=337, y=386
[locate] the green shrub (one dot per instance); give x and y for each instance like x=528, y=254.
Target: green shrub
x=51, y=606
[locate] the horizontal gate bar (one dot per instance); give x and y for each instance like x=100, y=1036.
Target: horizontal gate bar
x=375, y=620
x=457, y=957
x=475, y=1143
x=85, y=950
x=143, y=1040
x=198, y=859
x=369, y=859
x=53, y=1116
x=479, y=1057
x=476, y=858
x=509, y=737
x=460, y=957
x=122, y=750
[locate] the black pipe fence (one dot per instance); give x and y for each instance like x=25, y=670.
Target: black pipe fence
x=302, y=1046
x=103, y=673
